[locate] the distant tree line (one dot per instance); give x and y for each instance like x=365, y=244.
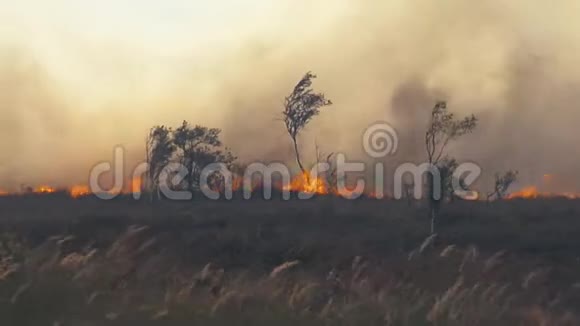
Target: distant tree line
x=196, y=146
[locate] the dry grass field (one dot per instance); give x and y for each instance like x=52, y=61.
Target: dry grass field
x=326, y=261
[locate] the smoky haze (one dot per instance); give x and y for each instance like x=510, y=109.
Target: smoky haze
x=68, y=97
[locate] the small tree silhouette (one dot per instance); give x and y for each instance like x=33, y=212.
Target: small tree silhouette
x=159, y=148
x=300, y=107
x=197, y=147
x=502, y=183
x=449, y=181
x=442, y=129
x=193, y=146
x=446, y=168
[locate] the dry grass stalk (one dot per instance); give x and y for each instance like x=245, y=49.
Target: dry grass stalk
x=281, y=269
x=428, y=243
x=494, y=261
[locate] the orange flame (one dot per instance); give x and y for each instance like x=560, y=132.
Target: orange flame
x=135, y=186
x=44, y=190
x=307, y=183
x=79, y=191
x=532, y=192
x=304, y=182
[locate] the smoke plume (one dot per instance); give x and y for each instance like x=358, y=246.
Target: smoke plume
x=79, y=79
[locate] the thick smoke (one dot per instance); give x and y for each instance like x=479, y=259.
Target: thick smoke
x=67, y=99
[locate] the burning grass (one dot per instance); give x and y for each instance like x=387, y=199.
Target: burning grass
x=305, y=182
x=76, y=191
x=532, y=192
x=300, y=183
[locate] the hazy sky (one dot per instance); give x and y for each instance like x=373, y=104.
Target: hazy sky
x=78, y=77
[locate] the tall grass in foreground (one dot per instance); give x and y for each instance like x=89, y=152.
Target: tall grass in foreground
x=320, y=262
x=140, y=278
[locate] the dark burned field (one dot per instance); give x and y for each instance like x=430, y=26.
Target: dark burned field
x=326, y=261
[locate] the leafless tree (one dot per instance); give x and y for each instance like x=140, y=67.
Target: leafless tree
x=330, y=175
x=300, y=107
x=442, y=129
x=502, y=183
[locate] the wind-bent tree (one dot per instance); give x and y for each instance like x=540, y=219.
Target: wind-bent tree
x=502, y=183
x=159, y=148
x=300, y=107
x=442, y=129
x=198, y=146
